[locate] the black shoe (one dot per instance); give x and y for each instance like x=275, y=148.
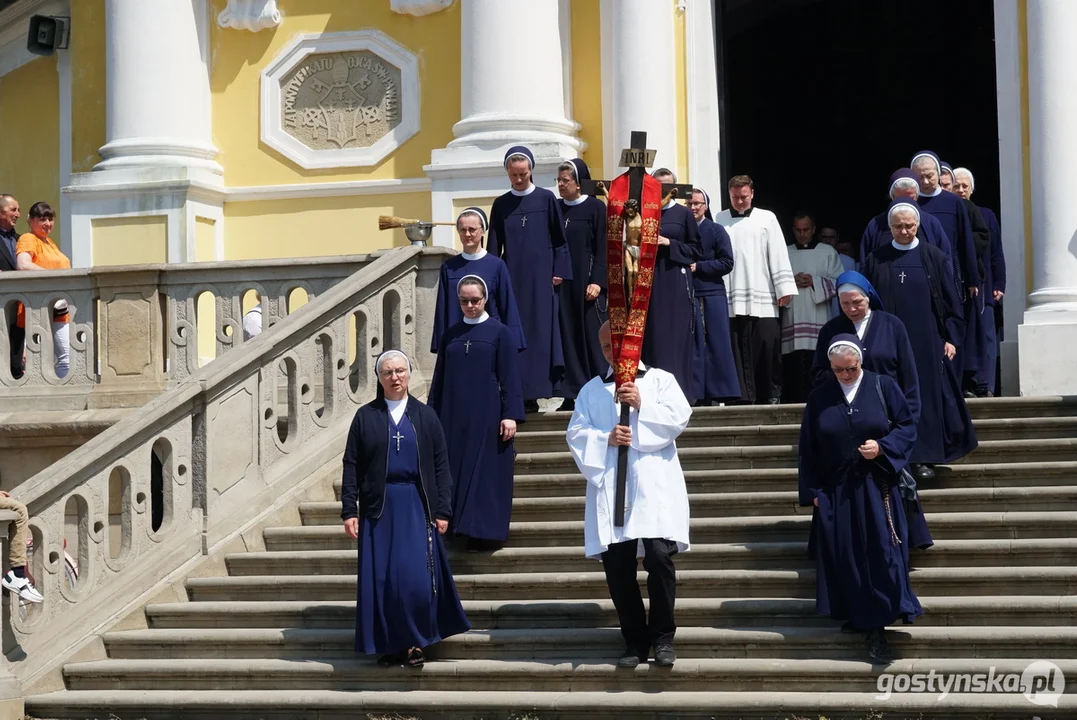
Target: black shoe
x=664, y=656
x=878, y=649
x=774, y=401
x=531, y=406
x=568, y=405
x=474, y=545
x=848, y=628
x=924, y=472
x=631, y=658
x=969, y=394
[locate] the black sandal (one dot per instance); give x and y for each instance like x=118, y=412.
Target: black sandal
x=416, y=658
x=391, y=659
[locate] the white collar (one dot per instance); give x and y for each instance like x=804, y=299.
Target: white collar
x=477, y=321
x=850, y=390
x=520, y=193
x=475, y=256
x=575, y=202
x=905, y=248
x=397, y=408
x=938, y=191
x=670, y=204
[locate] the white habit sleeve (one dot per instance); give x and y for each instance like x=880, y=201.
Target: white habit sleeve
x=824, y=283
x=663, y=414
x=781, y=271
x=590, y=445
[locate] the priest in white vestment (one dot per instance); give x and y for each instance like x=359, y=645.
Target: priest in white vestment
x=656, y=498
x=816, y=267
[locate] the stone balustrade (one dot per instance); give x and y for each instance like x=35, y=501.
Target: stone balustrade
x=221, y=446
x=134, y=329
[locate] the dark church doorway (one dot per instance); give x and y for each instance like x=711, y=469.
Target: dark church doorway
x=821, y=100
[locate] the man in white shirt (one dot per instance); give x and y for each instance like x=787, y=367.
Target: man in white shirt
x=252, y=322
x=761, y=283
x=656, y=498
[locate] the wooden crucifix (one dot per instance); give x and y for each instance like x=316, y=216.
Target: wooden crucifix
x=633, y=218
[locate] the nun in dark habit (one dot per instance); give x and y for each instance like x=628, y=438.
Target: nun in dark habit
x=905, y=183
x=886, y=351
x=583, y=297
x=855, y=438
x=715, y=371
x=396, y=498
x=669, y=339
x=471, y=226
x=528, y=233
x=910, y=277
x=476, y=393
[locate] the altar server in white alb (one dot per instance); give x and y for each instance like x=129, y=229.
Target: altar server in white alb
x=656, y=499
x=761, y=283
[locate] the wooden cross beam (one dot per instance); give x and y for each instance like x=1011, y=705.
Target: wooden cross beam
x=637, y=158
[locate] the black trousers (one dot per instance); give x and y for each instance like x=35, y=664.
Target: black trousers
x=619, y=562
x=796, y=366
x=17, y=338
x=757, y=352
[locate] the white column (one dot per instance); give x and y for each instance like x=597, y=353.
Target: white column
x=638, y=80
x=1048, y=336
x=513, y=88
x=513, y=91
x=704, y=138
x=157, y=98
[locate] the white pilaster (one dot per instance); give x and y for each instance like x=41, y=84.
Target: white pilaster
x=638, y=80
x=1009, y=78
x=1048, y=336
x=704, y=139
x=513, y=92
x=158, y=157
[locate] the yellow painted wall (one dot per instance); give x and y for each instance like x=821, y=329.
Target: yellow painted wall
x=129, y=240
x=238, y=57
x=30, y=130
x=587, y=77
x=680, y=61
x=205, y=239
x=88, y=83
x=316, y=226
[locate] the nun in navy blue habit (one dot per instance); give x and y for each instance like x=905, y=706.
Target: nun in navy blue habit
x=528, y=233
x=910, y=277
x=886, y=351
x=905, y=183
x=715, y=371
x=669, y=339
x=471, y=226
x=396, y=497
x=583, y=296
x=855, y=438
x=476, y=393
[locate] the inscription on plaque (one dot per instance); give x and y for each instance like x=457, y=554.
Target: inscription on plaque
x=341, y=100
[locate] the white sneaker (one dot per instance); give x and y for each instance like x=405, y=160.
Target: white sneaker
x=22, y=587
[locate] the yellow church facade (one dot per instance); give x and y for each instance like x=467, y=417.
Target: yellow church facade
x=201, y=130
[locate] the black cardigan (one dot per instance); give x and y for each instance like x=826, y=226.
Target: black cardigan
x=366, y=458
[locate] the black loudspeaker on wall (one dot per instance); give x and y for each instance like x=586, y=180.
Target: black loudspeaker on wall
x=47, y=34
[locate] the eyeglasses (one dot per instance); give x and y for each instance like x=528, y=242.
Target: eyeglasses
x=845, y=371
x=394, y=372
x=471, y=301
x=904, y=226
x=696, y=203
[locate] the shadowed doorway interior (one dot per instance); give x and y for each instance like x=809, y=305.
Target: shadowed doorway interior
x=821, y=100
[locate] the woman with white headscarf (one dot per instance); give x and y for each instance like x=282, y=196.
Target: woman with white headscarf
x=911, y=278
x=476, y=393
x=855, y=439
x=396, y=497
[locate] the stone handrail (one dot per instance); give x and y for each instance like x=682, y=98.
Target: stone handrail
x=134, y=328
x=228, y=450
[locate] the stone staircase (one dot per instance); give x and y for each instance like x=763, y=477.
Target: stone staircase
x=273, y=636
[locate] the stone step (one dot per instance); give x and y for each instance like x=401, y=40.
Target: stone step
x=702, y=435
x=979, y=409
x=1051, y=580
x=1015, y=610
x=586, y=644
x=968, y=475
x=731, y=556
x=363, y=674
x=781, y=456
x=944, y=526
x=771, y=704
x=750, y=504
